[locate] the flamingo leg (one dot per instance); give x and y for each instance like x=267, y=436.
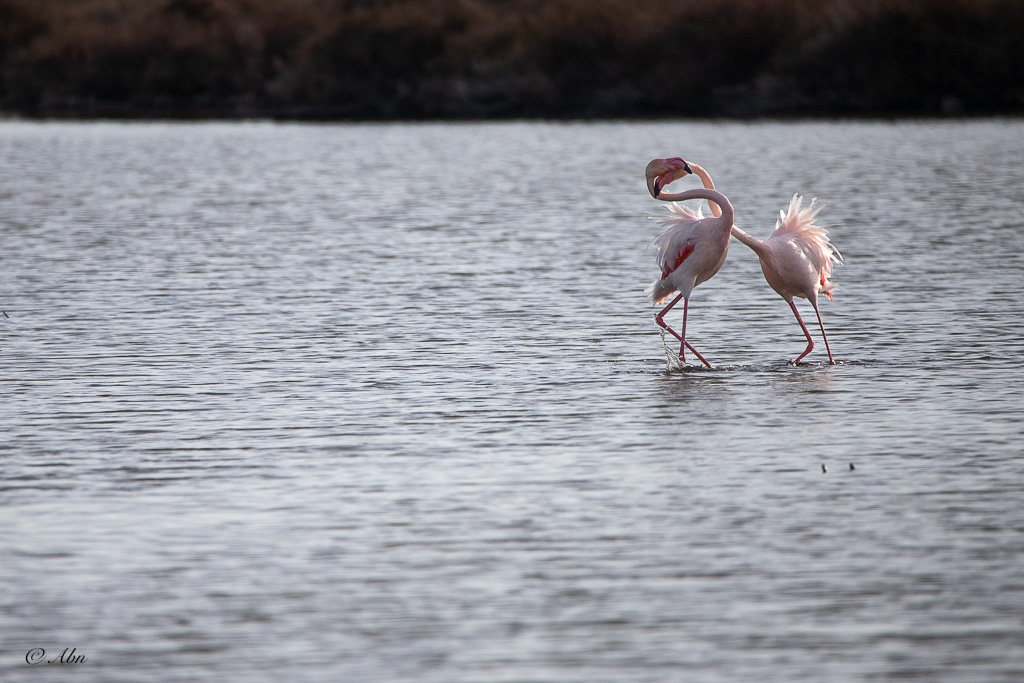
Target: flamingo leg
x=660, y=319
x=810, y=342
x=683, y=344
x=686, y=305
x=831, y=360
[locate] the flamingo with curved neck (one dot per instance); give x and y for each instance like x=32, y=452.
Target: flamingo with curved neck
x=796, y=259
x=691, y=250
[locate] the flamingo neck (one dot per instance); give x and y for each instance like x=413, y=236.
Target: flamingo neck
x=705, y=179
x=704, y=193
x=754, y=243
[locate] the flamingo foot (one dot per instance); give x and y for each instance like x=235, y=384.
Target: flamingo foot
x=796, y=361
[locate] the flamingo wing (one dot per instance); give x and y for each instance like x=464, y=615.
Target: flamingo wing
x=674, y=245
x=678, y=261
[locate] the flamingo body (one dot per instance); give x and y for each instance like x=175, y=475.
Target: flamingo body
x=797, y=258
x=690, y=251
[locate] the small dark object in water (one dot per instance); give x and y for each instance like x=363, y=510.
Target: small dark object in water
x=852, y=467
x=824, y=468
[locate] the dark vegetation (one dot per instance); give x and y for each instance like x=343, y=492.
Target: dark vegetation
x=503, y=58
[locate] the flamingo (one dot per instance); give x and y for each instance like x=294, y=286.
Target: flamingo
x=796, y=259
x=691, y=250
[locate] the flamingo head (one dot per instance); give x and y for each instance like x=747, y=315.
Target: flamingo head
x=661, y=172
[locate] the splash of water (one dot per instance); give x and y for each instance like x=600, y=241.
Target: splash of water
x=672, y=361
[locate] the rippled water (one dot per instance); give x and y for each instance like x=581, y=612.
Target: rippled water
x=386, y=403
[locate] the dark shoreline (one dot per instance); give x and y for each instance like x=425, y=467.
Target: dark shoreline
x=433, y=60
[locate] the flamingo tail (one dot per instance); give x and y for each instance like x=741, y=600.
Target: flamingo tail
x=798, y=223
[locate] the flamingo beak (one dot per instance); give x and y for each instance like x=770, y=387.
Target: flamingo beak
x=679, y=161
x=659, y=184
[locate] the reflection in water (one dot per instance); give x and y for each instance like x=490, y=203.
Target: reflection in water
x=261, y=417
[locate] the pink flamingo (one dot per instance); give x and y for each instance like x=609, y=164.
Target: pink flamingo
x=796, y=259
x=691, y=250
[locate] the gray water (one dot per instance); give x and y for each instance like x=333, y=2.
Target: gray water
x=386, y=403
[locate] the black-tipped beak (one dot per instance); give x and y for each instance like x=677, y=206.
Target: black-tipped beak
x=686, y=166
x=656, y=191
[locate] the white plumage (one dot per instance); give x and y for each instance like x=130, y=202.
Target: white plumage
x=797, y=261
x=690, y=251
x=799, y=245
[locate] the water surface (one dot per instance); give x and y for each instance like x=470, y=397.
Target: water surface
x=386, y=403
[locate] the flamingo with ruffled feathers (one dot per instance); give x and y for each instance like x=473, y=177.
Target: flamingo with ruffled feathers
x=796, y=259
x=691, y=250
